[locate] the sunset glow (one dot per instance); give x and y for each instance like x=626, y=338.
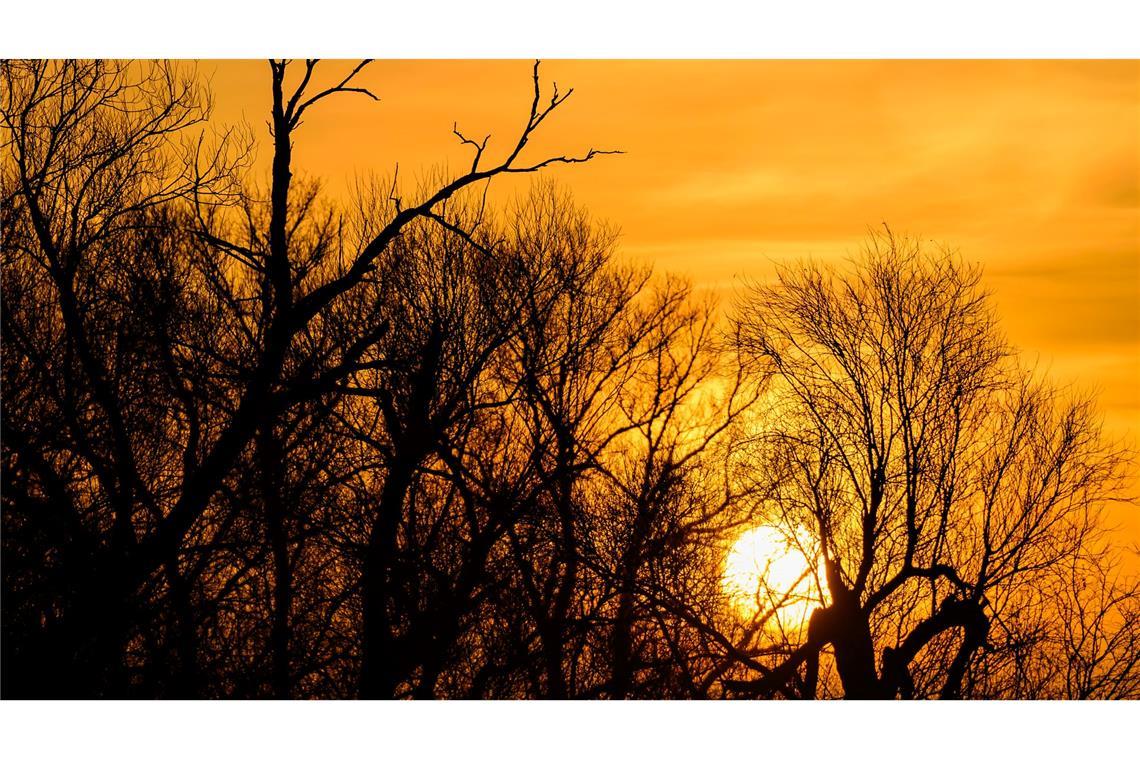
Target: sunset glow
x=1031, y=168
x=719, y=379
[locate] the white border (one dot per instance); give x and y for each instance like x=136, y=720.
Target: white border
x=593, y=29
x=577, y=731
x=571, y=28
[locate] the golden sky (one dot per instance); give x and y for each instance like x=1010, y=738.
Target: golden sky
x=1030, y=167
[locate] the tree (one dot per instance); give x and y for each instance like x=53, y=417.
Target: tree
x=86, y=183
x=940, y=480
x=88, y=155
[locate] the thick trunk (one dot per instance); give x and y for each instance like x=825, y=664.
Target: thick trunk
x=435, y=645
x=185, y=684
x=556, y=625
x=414, y=436
x=855, y=656
x=272, y=467
x=380, y=672
x=846, y=627
x=622, y=677
x=282, y=608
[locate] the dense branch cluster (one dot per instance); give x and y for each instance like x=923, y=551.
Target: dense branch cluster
x=259, y=444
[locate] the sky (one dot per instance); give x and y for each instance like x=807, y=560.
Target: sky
x=1031, y=168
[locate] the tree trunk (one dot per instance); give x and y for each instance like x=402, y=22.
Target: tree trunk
x=272, y=467
x=380, y=672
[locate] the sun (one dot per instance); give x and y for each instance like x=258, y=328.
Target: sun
x=769, y=568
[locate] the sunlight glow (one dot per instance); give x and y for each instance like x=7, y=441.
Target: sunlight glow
x=773, y=569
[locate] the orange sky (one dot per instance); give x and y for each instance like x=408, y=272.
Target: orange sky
x=1030, y=167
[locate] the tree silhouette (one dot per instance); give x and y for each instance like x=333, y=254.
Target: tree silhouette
x=89, y=146
x=943, y=482
x=258, y=442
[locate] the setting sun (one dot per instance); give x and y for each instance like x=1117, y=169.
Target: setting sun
x=769, y=569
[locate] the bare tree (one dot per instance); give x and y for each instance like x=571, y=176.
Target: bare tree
x=939, y=479
x=89, y=147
